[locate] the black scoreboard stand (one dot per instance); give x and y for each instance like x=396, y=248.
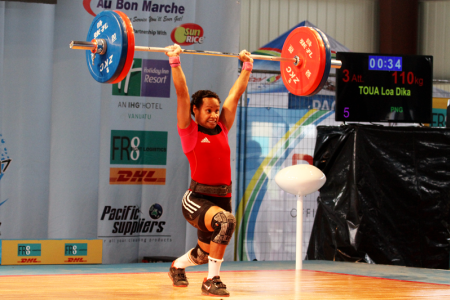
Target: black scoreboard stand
x=384, y=88
x=391, y=89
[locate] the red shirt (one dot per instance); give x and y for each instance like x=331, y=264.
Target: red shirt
x=208, y=153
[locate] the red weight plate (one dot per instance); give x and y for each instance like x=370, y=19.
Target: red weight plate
x=131, y=44
x=307, y=44
x=326, y=72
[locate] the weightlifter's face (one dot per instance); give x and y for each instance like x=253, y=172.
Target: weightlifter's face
x=208, y=114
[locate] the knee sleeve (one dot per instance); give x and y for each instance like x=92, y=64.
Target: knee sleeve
x=223, y=224
x=199, y=256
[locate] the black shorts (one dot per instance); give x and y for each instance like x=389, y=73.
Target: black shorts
x=194, y=207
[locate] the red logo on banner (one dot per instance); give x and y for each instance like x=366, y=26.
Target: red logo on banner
x=87, y=7
x=75, y=260
x=187, y=34
x=28, y=261
x=137, y=176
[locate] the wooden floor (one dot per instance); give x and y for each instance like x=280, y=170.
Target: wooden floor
x=275, y=284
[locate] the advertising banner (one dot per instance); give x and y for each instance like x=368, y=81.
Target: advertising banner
x=51, y=252
x=81, y=159
x=142, y=167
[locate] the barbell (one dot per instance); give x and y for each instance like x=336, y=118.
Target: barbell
x=305, y=60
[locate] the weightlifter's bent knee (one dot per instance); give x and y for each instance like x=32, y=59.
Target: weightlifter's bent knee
x=223, y=224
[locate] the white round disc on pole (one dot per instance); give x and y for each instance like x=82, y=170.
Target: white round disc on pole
x=300, y=179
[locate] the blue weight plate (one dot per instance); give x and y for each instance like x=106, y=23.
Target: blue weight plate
x=326, y=71
x=107, y=67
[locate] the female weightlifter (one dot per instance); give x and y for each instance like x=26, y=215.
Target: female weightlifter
x=206, y=205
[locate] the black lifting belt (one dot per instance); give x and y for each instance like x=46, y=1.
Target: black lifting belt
x=221, y=190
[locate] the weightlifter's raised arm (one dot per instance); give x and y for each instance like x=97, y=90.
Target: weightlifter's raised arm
x=179, y=80
x=229, y=108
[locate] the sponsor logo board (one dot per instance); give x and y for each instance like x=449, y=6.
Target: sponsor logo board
x=75, y=260
x=76, y=249
x=128, y=220
x=156, y=8
x=187, y=34
x=149, y=176
x=47, y=252
x=28, y=261
x=146, y=78
x=132, y=147
x=29, y=250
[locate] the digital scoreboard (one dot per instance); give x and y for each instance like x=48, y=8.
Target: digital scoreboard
x=384, y=88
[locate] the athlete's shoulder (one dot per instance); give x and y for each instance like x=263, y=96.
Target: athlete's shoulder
x=188, y=130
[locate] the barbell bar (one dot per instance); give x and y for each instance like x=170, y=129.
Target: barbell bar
x=305, y=59
x=94, y=47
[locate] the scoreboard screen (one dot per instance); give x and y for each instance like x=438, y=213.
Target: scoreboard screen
x=384, y=88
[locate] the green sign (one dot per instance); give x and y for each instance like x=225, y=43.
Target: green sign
x=75, y=249
x=131, y=85
x=29, y=250
x=131, y=147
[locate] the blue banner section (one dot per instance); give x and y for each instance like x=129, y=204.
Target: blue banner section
x=319, y=102
x=269, y=140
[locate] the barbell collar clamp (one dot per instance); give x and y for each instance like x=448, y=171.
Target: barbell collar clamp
x=96, y=46
x=80, y=45
x=336, y=64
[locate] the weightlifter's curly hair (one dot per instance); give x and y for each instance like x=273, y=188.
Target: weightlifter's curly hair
x=197, y=98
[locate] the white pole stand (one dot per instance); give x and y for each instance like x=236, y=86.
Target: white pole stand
x=299, y=235
x=300, y=180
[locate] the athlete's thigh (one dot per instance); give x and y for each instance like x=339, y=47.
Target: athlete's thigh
x=199, y=210
x=194, y=208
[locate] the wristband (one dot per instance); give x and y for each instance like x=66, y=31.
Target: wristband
x=174, y=61
x=247, y=66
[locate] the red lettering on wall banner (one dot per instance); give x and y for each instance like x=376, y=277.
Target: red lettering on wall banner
x=29, y=261
x=137, y=176
x=75, y=260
